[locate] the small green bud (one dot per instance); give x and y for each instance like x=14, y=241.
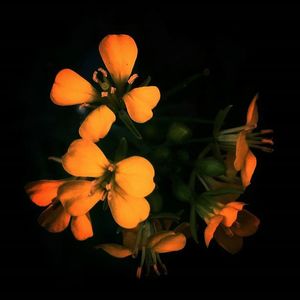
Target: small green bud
x=210, y=167
x=178, y=133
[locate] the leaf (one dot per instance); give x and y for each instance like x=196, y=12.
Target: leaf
x=219, y=120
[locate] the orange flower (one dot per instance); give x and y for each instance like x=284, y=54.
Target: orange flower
x=55, y=218
x=118, y=53
x=124, y=184
x=144, y=238
x=241, y=139
x=228, y=224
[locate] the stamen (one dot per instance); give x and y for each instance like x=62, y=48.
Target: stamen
x=111, y=168
x=156, y=270
x=139, y=269
x=104, y=72
x=267, y=141
x=95, y=78
x=104, y=94
x=108, y=186
x=266, y=131
x=132, y=78
x=162, y=264
x=233, y=130
x=112, y=90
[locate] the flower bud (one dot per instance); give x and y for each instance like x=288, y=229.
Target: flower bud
x=178, y=133
x=210, y=167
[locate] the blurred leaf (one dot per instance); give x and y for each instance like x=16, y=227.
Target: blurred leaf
x=219, y=120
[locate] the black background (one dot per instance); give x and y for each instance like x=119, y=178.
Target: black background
x=247, y=48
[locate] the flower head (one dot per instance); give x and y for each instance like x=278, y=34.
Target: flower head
x=55, y=218
x=118, y=53
x=124, y=184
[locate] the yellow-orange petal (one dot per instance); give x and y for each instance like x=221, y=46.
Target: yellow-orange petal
x=241, y=151
x=140, y=102
x=118, y=52
x=81, y=227
x=42, y=192
x=211, y=227
x=97, y=124
x=248, y=168
x=54, y=218
x=156, y=237
x=84, y=159
x=115, y=250
x=247, y=224
x=126, y=210
x=79, y=196
x=252, y=114
x=170, y=243
x=230, y=212
x=69, y=88
x=231, y=243
x=135, y=176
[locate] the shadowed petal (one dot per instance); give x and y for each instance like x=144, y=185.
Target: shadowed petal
x=248, y=168
x=84, y=159
x=42, y=192
x=54, y=218
x=231, y=243
x=242, y=149
x=76, y=197
x=211, y=227
x=115, y=250
x=170, y=243
x=69, y=88
x=252, y=114
x=230, y=212
x=127, y=211
x=156, y=237
x=140, y=102
x=135, y=176
x=118, y=52
x=247, y=224
x=81, y=227
x=97, y=124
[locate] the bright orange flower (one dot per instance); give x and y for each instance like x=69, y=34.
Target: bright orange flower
x=144, y=238
x=118, y=53
x=241, y=139
x=55, y=218
x=124, y=184
x=228, y=224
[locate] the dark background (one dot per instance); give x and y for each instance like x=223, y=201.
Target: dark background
x=248, y=49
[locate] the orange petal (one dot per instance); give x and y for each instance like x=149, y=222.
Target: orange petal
x=247, y=224
x=211, y=227
x=140, y=102
x=118, y=53
x=170, y=243
x=230, y=212
x=115, y=250
x=135, y=176
x=231, y=243
x=97, y=124
x=42, y=192
x=242, y=149
x=76, y=197
x=70, y=88
x=82, y=227
x=252, y=114
x=229, y=162
x=84, y=159
x=248, y=169
x=156, y=237
x=54, y=218
x=127, y=211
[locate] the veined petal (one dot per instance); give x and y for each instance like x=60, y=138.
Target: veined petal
x=54, y=218
x=140, y=102
x=115, y=250
x=247, y=224
x=69, y=88
x=81, y=227
x=156, y=237
x=97, y=124
x=170, y=243
x=78, y=198
x=126, y=210
x=248, y=168
x=85, y=159
x=135, y=176
x=231, y=243
x=242, y=149
x=42, y=192
x=252, y=114
x=118, y=52
x=230, y=212
x=211, y=227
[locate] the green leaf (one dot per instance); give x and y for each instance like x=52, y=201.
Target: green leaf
x=123, y=115
x=193, y=224
x=210, y=167
x=121, y=151
x=219, y=120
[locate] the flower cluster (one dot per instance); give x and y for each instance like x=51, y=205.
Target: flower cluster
x=208, y=185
